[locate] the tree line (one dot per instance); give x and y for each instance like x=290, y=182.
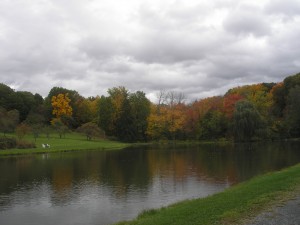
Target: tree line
x=244, y=113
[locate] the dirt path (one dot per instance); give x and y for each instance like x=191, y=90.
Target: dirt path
x=286, y=214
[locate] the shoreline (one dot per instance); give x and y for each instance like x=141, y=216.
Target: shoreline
x=235, y=205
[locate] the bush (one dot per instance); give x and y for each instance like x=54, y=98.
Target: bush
x=24, y=144
x=6, y=143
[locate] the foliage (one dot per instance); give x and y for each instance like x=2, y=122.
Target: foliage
x=293, y=111
x=165, y=121
x=22, y=101
x=91, y=130
x=213, y=125
x=22, y=144
x=124, y=115
x=229, y=104
x=22, y=130
x=247, y=121
x=61, y=106
x=8, y=120
x=7, y=143
x=124, y=127
x=197, y=112
x=140, y=111
x=105, y=115
x=132, y=117
x=59, y=127
x=258, y=94
x=7, y=97
x=84, y=112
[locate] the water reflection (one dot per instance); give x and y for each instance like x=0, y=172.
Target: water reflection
x=105, y=187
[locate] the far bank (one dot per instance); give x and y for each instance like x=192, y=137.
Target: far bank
x=72, y=142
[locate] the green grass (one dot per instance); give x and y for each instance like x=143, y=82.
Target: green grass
x=72, y=142
x=232, y=206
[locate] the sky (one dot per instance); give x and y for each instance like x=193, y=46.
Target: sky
x=199, y=48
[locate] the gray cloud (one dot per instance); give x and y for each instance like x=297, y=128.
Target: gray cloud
x=245, y=21
x=200, y=48
x=289, y=8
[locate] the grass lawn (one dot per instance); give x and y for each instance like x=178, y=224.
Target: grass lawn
x=72, y=142
x=233, y=206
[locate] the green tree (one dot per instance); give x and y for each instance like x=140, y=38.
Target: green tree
x=7, y=97
x=84, y=111
x=121, y=121
x=293, y=112
x=213, y=125
x=246, y=121
x=124, y=128
x=105, y=115
x=8, y=120
x=24, y=103
x=140, y=111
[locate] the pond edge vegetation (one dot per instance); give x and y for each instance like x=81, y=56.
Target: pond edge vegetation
x=236, y=205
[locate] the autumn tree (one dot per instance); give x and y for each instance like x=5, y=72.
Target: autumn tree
x=229, y=104
x=167, y=118
x=197, y=111
x=73, y=96
x=157, y=122
x=93, y=103
x=61, y=105
x=258, y=94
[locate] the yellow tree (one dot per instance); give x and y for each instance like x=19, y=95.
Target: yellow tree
x=176, y=118
x=157, y=122
x=61, y=106
x=165, y=121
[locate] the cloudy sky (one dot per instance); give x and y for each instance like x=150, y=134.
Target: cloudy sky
x=198, y=47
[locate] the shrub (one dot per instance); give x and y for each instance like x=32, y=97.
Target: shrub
x=6, y=143
x=25, y=144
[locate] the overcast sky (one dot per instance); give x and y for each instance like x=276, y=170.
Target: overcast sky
x=198, y=47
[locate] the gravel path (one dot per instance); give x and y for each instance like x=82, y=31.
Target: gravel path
x=286, y=214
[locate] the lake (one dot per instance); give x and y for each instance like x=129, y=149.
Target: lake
x=104, y=187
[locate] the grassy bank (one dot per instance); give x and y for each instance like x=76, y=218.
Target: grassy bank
x=72, y=142
x=229, y=207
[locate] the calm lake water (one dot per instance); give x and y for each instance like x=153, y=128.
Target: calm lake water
x=97, y=188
